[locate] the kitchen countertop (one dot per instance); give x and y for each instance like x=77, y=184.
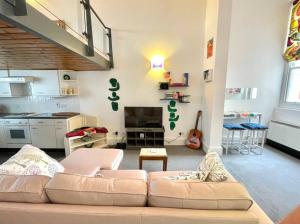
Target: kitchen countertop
x=36, y=116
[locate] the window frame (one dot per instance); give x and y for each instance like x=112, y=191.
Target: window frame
x=284, y=89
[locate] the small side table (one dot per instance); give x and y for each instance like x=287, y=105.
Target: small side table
x=153, y=154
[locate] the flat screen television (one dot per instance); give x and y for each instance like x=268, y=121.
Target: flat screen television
x=143, y=117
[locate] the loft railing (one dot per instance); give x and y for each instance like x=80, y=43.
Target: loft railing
x=19, y=6
x=90, y=13
x=78, y=18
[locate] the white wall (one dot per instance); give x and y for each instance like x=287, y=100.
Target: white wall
x=218, y=21
x=258, y=32
x=39, y=104
x=142, y=29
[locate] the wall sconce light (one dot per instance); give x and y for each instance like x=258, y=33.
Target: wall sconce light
x=157, y=62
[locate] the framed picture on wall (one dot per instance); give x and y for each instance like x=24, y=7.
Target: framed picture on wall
x=210, y=48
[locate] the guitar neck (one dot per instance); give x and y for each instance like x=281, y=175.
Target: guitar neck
x=197, y=121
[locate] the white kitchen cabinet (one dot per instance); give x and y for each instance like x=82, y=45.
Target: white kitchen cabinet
x=2, y=142
x=3, y=73
x=12, y=89
x=51, y=82
x=43, y=136
x=45, y=83
x=48, y=133
x=60, y=132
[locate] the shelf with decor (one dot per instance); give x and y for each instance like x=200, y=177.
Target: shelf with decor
x=177, y=96
x=174, y=94
x=98, y=140
x=180, y=101
x=68, y=83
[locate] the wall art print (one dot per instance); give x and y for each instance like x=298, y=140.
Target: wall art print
x=114, y=98
x=210, y=48
x=173, y=117
x=292, y=52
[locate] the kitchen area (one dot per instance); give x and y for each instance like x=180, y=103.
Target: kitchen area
x=45, y=130
x=35, y=108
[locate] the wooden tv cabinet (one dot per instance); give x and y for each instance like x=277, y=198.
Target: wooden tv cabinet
x=145, y=137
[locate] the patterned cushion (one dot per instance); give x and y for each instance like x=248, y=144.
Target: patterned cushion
x=31, y=161
x=190, y=176
x=212, y=164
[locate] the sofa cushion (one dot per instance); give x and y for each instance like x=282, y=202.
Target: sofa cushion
x=198, y=195
x=31, y=161
x=30, y=189
x=83, y=190
x=25, y=213
x=89, y=161
x=124, y=174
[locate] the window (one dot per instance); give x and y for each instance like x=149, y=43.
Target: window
x=291, y=86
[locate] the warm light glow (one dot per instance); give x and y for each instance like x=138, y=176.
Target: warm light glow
x=157, y=62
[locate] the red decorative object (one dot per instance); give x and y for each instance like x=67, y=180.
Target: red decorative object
x=101, y=130
x=86, y=131
x=75, y=133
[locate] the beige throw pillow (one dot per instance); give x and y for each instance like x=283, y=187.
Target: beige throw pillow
x=31, y=161
x=213, y=165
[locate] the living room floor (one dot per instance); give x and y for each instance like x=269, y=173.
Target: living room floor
x=272, y=178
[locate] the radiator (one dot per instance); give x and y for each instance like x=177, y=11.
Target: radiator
x=285, y=134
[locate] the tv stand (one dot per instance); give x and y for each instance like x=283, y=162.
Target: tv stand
x=145, y=137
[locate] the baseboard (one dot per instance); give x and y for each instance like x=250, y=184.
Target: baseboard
x=175, y=141
x=168, y=140
x=284, y=148
x=207, y=148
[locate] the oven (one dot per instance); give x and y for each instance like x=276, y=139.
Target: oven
x=17, y=131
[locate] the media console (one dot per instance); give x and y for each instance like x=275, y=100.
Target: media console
x=145, y=137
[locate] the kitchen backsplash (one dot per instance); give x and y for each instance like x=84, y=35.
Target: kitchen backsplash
x=39, y=104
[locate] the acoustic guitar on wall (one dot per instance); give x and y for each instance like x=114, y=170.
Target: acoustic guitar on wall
x=195, y=135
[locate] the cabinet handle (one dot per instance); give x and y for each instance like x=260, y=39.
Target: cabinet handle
x=58, y=128
x=34, y=128
x=5, y=93
x=41, y=122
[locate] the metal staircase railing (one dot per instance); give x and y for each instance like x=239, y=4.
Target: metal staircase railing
x=89, y=32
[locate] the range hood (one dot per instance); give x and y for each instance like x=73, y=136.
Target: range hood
x=16, y=79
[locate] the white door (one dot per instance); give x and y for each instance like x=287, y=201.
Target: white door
x=43, y=136
x=46, y=83
x=60, y=132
